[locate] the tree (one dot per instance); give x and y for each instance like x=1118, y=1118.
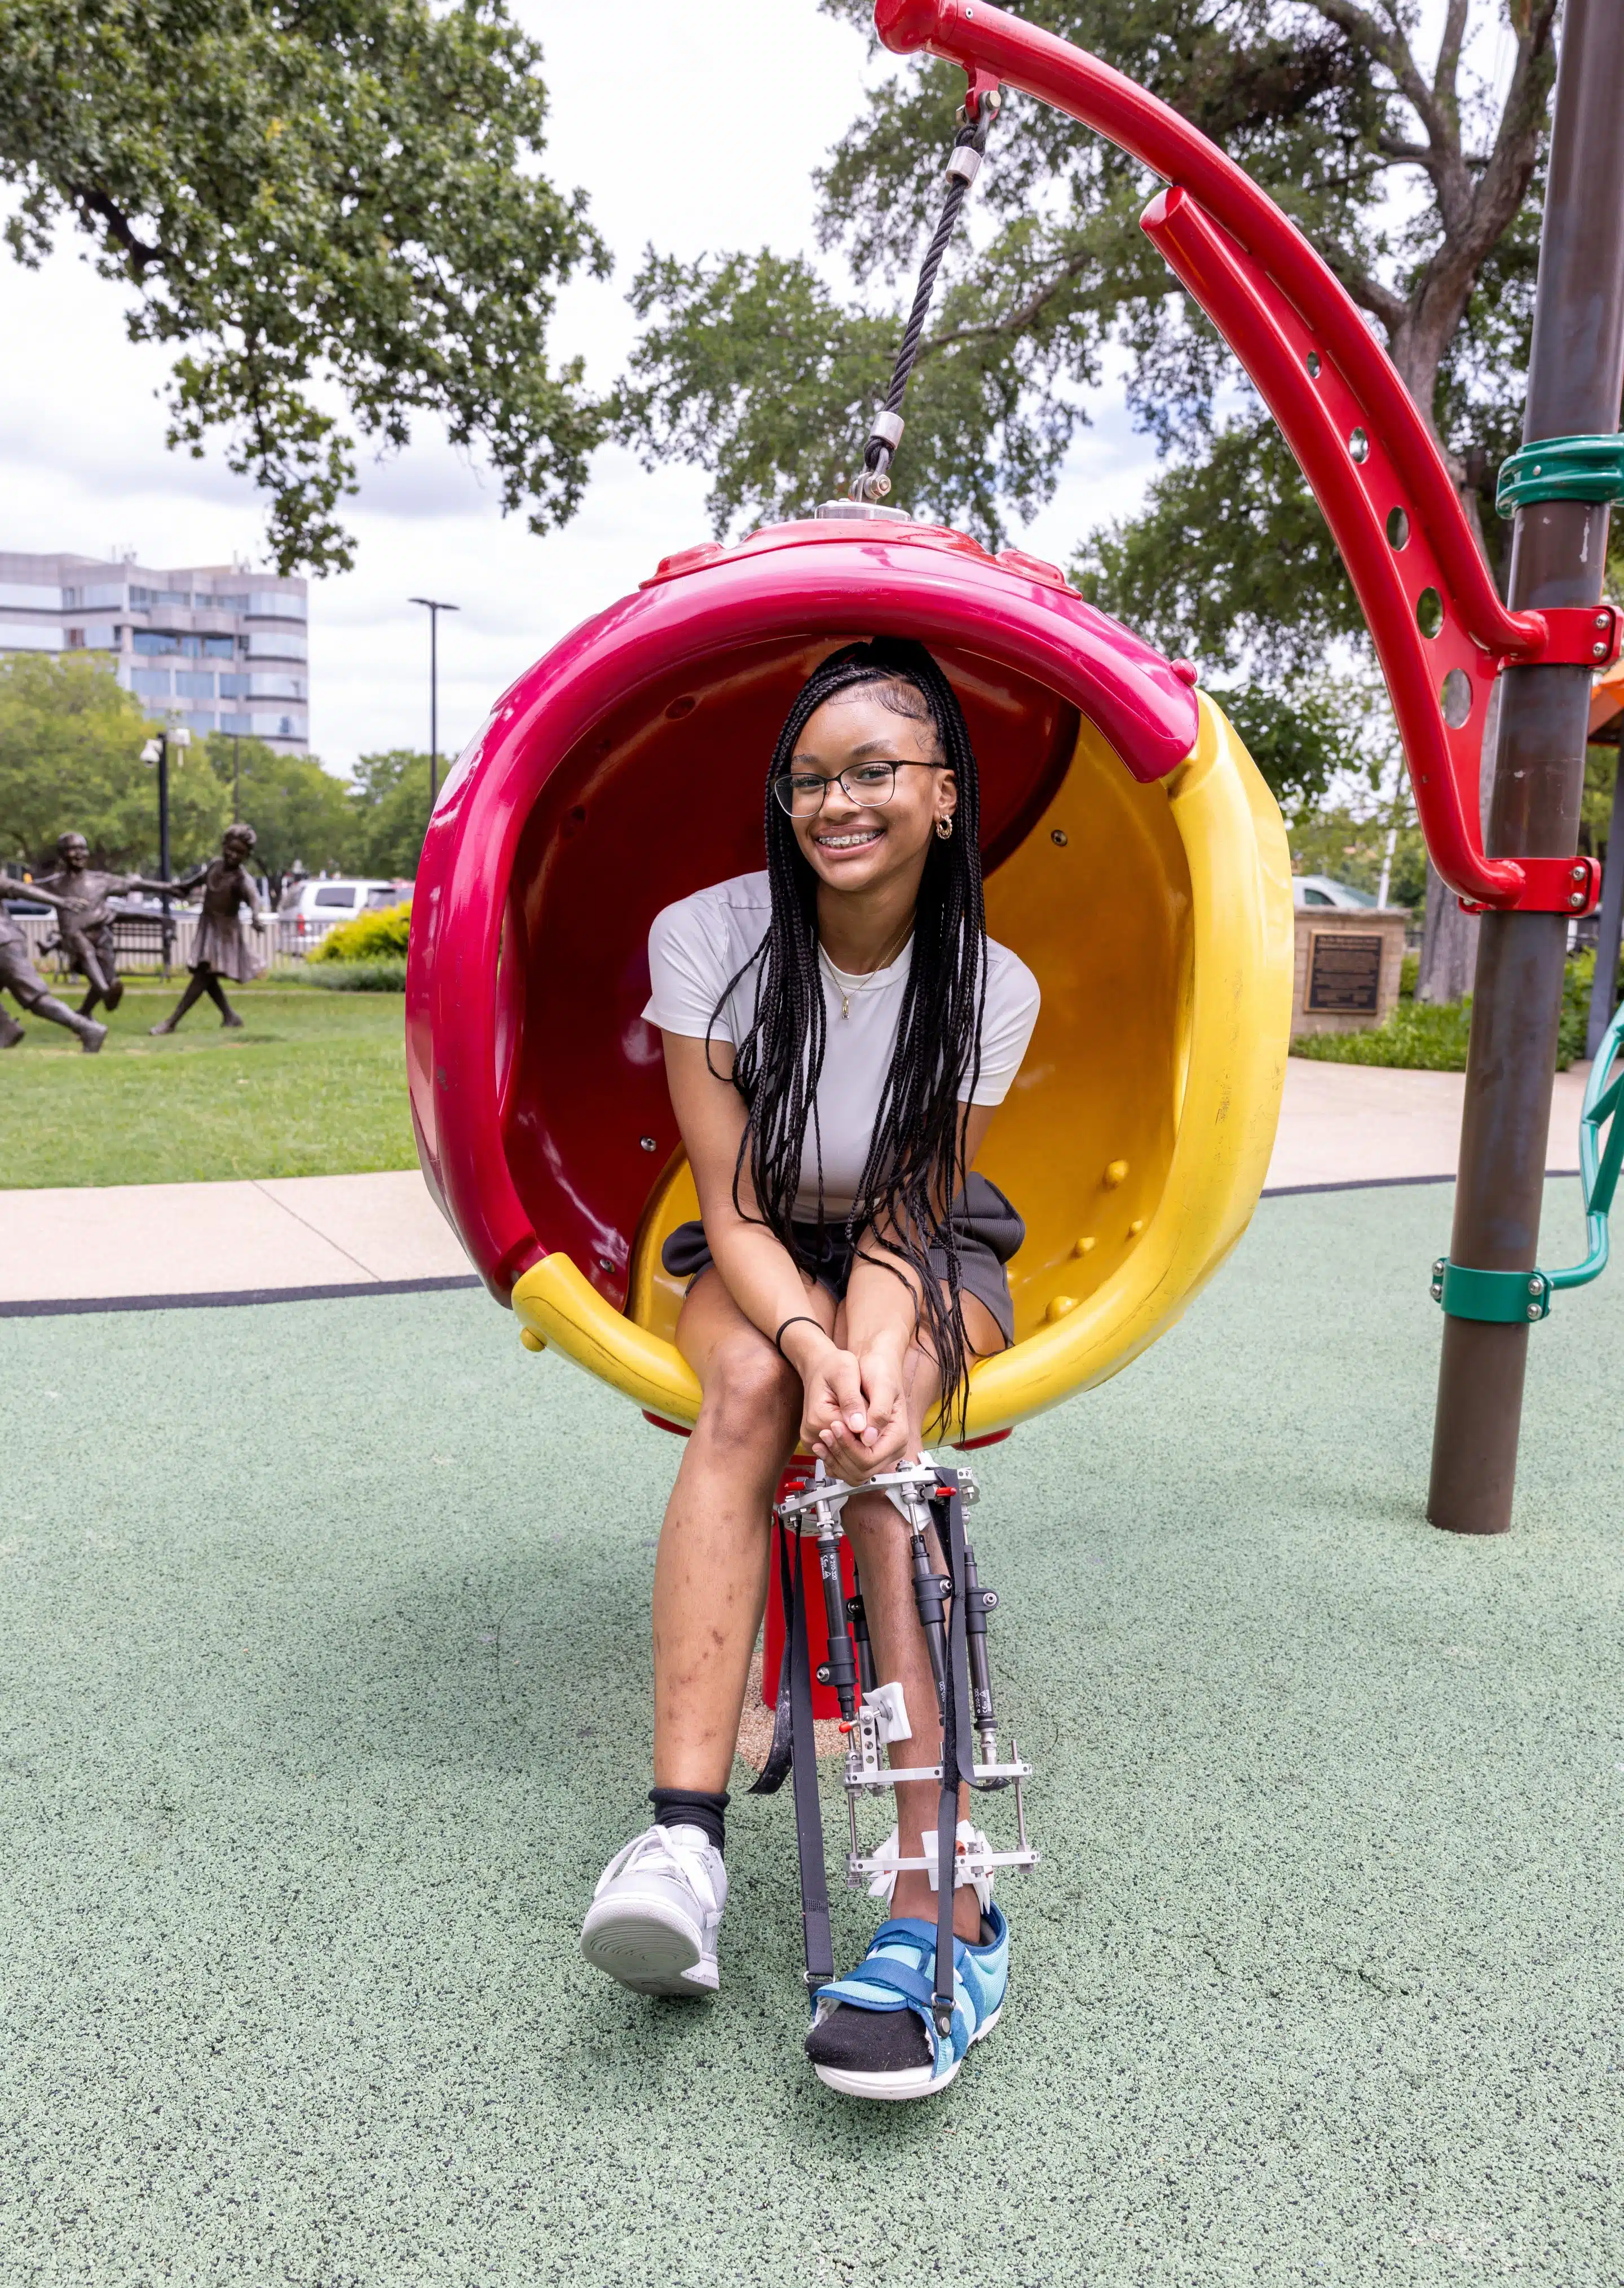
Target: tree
x=1411, y=180
x=391, y=807
x=70, y=759
x=301, y=813
x=334, y=195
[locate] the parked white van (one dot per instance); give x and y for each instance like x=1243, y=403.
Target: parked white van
x=310, y=909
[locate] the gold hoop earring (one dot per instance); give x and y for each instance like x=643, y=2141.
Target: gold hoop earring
x=944, y=829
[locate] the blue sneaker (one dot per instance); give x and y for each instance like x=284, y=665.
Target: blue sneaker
x=905, y=2056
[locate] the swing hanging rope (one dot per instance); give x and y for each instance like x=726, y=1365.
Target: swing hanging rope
x=963, y=166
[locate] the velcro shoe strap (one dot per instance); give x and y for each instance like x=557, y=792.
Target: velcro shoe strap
x=899, y=1976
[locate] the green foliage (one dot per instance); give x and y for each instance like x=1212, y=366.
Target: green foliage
x=1351, y=849
x=302, y=815
x=1427, y=1036
x=1431, y=1037
x=343, y=195
x=70, y=759
x=391, y=806
x=1229, y=560
x=375, y=936
x=362, y=976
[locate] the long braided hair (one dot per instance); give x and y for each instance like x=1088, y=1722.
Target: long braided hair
x=916, y=1161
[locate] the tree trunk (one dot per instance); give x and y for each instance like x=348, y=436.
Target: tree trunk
x=1449, y=944
x=1449, y=937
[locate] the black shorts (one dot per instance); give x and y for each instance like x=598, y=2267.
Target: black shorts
x=987, y=1227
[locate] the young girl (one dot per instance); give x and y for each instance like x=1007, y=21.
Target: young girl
x=837, y=1032
x=220, y=949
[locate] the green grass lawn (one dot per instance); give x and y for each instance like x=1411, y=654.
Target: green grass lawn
x=314, y=1084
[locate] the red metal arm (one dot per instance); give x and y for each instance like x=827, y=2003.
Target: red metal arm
x=1440, y=629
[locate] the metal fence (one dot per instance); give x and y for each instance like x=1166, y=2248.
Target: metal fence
x=139, y=942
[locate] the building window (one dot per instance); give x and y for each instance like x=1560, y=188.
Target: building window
x=75, y=639
x=194, y=687
x=147, y=640
x=219, y=647
x=240, y=724
x=149, y=682
x=287, y=726
x=233, y=687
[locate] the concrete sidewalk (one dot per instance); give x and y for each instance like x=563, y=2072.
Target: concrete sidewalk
x=1340, y=1124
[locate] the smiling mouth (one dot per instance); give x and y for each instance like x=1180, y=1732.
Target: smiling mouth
x=848, y=841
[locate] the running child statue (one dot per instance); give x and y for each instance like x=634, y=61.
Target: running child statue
x=838, y=1032
x=82, y=893
x=19, y=977
x=222, y=947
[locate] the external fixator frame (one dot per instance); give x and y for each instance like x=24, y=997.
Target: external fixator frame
x=952, y=1607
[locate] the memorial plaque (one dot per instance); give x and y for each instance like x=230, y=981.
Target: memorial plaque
x=1344, y=975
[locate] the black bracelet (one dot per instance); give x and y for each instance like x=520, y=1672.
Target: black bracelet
x=796, y=1318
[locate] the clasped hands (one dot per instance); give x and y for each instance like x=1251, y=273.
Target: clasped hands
x=854, y=1417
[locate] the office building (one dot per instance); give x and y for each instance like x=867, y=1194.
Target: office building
x=208, y=646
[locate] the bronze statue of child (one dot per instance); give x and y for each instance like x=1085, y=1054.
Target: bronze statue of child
x=221, y=947
x=20, y=979
x=80, y=892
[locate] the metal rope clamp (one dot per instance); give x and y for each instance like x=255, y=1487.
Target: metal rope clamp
x=873, y=1715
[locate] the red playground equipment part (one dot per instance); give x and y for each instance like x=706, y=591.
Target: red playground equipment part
x=1441, y=632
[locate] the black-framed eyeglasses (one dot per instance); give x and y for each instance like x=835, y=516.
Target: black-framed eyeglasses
x=801, y=792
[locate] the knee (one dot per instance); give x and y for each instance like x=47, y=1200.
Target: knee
x=753, y=1397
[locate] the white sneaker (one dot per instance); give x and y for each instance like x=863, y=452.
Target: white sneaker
x=656, y=1912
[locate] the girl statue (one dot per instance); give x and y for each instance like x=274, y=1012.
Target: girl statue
x=221, y=947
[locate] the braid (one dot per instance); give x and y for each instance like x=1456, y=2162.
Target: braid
x=916, y=1159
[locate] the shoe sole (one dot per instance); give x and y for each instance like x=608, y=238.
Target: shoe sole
x=896, y=2088
x=651, y=1949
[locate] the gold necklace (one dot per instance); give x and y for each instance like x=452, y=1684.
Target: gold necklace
x=850, y=993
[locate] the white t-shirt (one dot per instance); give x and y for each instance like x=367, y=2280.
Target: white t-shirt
x=696, y=945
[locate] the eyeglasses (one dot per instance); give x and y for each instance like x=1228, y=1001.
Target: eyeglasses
x=801, y=792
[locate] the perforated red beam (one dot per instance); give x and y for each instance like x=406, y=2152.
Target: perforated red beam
x=1440, y=629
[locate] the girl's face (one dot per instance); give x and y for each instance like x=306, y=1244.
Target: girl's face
x=884, y=790
x=235, y=850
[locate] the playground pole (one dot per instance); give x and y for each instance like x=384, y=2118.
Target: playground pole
x=1575, y=375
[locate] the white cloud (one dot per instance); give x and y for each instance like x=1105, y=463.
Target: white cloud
x=695, y=128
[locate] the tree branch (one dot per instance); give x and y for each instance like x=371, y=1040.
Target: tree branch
x=1013, y=322
x=120, y=230
x=1391, y=49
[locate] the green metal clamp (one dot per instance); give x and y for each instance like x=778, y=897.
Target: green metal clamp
x=1512, y=1298
x=1561, y=468
x=1505, y=1297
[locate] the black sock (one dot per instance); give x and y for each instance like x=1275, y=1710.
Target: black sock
x=692, y=1807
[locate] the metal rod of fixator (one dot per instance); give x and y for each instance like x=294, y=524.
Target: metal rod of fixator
x=1559, y=548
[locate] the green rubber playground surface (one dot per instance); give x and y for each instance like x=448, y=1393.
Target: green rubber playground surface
x=324, y=1666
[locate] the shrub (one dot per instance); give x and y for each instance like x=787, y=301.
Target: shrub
x=1432, y=1039
x=377, y=935
x=382, y=976
x=1426, y=1037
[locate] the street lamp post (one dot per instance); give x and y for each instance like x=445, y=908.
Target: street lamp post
x=433, y=607
x=156, y=751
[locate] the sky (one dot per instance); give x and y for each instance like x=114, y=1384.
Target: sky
x=695, y=127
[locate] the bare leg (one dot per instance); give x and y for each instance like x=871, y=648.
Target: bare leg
x=217, y=994
x=710, y=1577
x=195, y=987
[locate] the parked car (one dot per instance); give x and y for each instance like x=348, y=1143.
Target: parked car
x=310, y=909
x=1321, y=890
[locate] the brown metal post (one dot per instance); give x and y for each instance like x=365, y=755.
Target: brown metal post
x=1575, y=376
